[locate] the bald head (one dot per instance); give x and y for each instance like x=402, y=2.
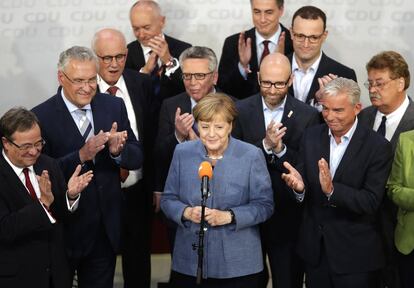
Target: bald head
x=110, y=46
x=276, y=60
x=107, y=35
x=146, y=20
x=274, y=79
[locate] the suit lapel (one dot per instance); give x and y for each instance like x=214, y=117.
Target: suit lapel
x=406, y=123
x=17, y=187
x=133, y=91
x=253, y=61
x=322, y=70
x=354, y=146
x=258, y=124
x=68, y=124
x=288, y=114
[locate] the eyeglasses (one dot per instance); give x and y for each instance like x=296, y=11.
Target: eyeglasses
x=312, y=38
x=269, y=84
x=377, y=85
x=27, y=146
x=79, y=82
x=197, y=76
x=108, y=59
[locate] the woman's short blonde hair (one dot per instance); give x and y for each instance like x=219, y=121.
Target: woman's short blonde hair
x=214, y=104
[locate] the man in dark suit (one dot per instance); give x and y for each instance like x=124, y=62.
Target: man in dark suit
x=340, y=178
x=32, y=206
x=309, y=63
x=136, y=91
x=81, y=126
x=277, y=127
x=155, y=53
x=242, y=52
x=391, y=113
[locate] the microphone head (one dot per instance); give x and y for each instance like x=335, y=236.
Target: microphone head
x=205, y=169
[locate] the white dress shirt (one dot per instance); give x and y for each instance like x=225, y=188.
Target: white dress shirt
x=122, y=92
x=274, y=39
x=303, y=79
x=393, y=119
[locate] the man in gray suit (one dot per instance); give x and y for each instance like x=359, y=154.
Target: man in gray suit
x=391, y=113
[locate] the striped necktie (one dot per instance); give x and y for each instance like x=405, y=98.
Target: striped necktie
x=84, y=124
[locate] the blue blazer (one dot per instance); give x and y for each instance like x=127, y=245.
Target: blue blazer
x=101, y=201
x=240, y=182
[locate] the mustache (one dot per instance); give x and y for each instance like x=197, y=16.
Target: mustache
x=375, y=95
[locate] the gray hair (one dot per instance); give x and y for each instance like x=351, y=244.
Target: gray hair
x=198, y=52
x=106, y=33
x=342, y=85
x=150, y=3
x=76, y=53
x=17, y=119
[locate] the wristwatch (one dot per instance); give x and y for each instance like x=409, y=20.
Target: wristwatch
x=171, y=63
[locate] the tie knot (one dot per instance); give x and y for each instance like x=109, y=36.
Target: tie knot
x=112, y=90
x=81, y=112
x=384, y=118
x=26, y=172
x=266, y=43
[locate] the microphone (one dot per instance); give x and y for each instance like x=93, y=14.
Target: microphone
x=205, y=172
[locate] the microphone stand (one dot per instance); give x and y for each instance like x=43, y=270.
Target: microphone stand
x=200, y=247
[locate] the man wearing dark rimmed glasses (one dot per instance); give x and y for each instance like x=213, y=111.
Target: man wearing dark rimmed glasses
x=275, y=121
x=33, y=206
x=391, y=113
x=81, y=126
x=136, y=90
x=310, y=66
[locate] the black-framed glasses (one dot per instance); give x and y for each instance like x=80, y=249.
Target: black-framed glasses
x=311, y=38
x=79, y=82
x=197, y=76
x=108, y=59
x=377, y=85
x=27, y=146
x=277, y=84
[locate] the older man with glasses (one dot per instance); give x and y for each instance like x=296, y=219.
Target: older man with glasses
x=274, y=121
x=84, y=127
x=310, y=66
x=391, y=113
x=136, y=90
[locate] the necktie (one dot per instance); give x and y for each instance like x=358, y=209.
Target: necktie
x=123, y=173
x=29, y=185
x=84, y=124
x=155, y=77
x=112, y=90
x=265, y=49
x=381, y=128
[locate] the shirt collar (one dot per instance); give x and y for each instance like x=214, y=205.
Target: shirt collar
x=399, y=111
x=72, y=107
x=313, y=67
x=281, y=106
x=103, y=86
x=16, y=169
x=348, y=135
x=274, y=38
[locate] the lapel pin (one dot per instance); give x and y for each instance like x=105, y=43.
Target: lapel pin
x=290, y=114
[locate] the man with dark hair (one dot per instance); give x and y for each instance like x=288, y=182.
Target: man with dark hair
x=81, y=126
x=155, y=53
x=32, y=206
x=275, y=122
x=391, y=113
x=243, y=52
x=310, y=66
x=341, y=174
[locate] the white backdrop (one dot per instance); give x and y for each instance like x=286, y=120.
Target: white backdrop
x=34, y=32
